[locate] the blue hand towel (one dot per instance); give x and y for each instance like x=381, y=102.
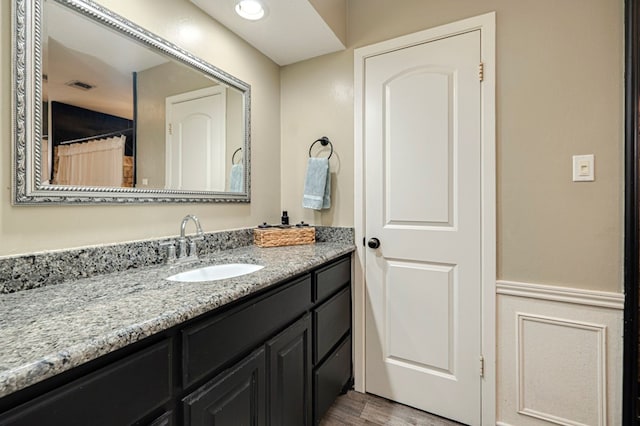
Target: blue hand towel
x=317, y=184
x=236, y=178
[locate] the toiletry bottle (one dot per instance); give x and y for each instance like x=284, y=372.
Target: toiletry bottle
x=285, y=218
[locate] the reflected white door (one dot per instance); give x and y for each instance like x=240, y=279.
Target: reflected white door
x=422, y=139
x=196, y=140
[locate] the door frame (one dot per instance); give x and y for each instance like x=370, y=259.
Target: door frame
x=631, y=212
x=486, y=24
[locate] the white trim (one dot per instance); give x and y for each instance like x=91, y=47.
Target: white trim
x=503, y=424
x=600, y=299
x=486, y=24
x=601, y=373
x=359, y=289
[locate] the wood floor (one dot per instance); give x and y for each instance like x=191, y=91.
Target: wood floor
x=356, y=409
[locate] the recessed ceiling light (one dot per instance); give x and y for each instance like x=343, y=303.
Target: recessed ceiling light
x=250, y=9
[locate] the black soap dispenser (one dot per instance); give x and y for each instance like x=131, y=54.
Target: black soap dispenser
x=285, y=218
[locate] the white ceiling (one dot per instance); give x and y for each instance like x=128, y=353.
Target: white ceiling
x=292, y=30
x=70, y=53
x=83, y=35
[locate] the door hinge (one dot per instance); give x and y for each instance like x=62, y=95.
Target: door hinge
x=170, y=129
x=481, y=71
x=481, y=366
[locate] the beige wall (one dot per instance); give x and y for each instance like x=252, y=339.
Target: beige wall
x=334, y=13
x=27, y=229
x=317, y=100
x=559, y=93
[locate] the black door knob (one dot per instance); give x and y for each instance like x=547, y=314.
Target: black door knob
x=373, y=243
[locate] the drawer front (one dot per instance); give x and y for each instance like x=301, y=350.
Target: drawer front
x=330, y=278
x=331, y=321
x=118, y=394
x=330, y=378
x=208, y=346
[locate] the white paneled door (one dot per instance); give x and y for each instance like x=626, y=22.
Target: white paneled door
x=422, y=143
x=195, y=140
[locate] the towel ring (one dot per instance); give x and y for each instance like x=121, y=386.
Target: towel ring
x=233, y=156
x=324, y=141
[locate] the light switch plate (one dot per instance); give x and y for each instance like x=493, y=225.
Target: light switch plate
x=583, y=168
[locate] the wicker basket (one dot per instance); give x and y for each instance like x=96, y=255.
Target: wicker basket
x=277, y=237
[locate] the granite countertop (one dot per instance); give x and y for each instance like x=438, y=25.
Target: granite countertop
x=48, y=330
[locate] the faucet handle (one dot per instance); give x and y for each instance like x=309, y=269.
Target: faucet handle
x=171, y=250
x=193, y=250
x=182, y=247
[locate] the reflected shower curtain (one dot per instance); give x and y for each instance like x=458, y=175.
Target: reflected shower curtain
x=94, y=163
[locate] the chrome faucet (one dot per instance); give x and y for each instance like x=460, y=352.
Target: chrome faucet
x=182, y=241
x=181, y=254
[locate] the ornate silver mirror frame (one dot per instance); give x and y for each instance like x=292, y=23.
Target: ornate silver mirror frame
x=28, y=116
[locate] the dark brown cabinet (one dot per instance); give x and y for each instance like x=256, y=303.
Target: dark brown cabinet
x=118, y=394
x=332, y=371
x=330, y=377
x=210, y=344
x=289, y=367
x=277, y=358
x=234, y=398
x=238, y=395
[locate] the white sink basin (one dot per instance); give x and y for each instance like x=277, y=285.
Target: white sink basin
x=215, y=272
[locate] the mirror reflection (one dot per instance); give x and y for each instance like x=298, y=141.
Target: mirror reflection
x=118, y=114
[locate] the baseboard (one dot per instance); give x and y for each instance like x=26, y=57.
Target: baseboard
x=601, y=299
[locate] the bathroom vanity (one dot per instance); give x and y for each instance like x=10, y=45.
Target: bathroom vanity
x=268, y=348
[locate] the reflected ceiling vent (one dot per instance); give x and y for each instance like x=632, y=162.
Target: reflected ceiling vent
x=79, y=85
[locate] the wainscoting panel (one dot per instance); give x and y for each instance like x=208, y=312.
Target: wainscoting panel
x=559, y=356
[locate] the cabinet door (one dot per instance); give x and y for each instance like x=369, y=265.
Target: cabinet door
x=289, y=358
x=236, y=397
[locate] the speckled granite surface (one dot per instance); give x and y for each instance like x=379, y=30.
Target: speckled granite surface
x=42, y=269
x=51, y=329
x=47, y=268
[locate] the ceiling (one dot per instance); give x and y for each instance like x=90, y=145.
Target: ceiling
x=70, y=54
x=291, y=31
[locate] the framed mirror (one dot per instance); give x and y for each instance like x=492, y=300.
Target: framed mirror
x=106, y=112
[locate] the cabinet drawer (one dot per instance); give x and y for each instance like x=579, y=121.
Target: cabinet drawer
x=210, y=345
x=117, y=394
x=331, y=321
x=330, y=278
x=330, y=378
